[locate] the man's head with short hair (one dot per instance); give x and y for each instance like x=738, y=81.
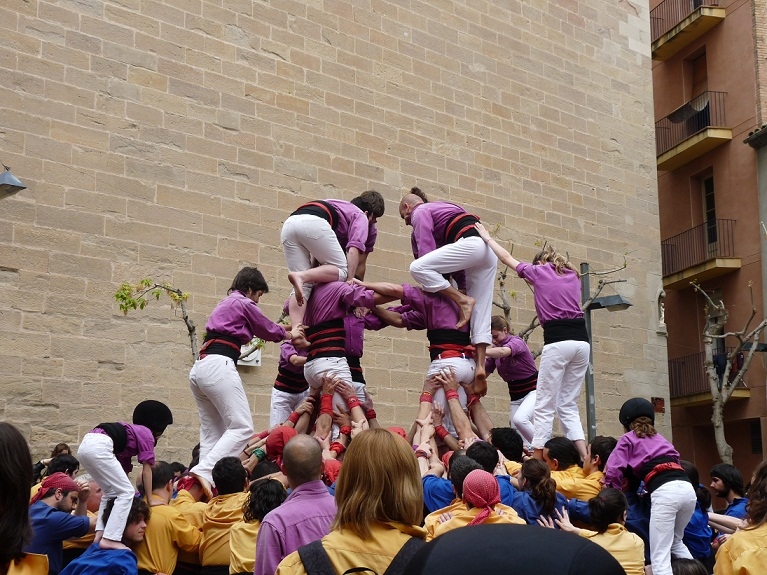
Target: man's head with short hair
x=95, y=494
x=459, y=469
x=370, y=202
x=64, y=464
x=485, y=454
x=135, y=525
x=560, y=453
x=162, y=475
x=508, y=441
x=726, y=478
x=178, y=468
x=229, y=476
x=597, y=453
x=302, y=460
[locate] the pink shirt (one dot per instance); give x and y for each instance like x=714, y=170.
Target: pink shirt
x=239, y=317
x=352, y=227
x=429, y=311
x=556, y=296
x=334, y=300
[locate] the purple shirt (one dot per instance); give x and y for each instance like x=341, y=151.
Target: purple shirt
x=556, y=296
x=352, y=227
x=305, y=516
x=429, y=222
x=372, y=237
x=355, y=335
x=140, y=442
x=519, y=365
x=286, y=352
x=239, y=317
x=634, y=452
x=429, y=311
x=334, y=300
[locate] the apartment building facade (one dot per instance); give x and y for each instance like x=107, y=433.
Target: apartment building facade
x=707, y=105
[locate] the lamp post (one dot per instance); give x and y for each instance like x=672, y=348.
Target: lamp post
x=612, y=303
x=9, y=184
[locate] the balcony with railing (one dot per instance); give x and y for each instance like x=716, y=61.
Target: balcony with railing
x=699, y=254
x=675, y=24
x=691, y=130
x=688, y=381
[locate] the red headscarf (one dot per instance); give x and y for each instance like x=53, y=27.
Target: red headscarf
x=58, y=480
x=398, y=431
x=276, y=441
x=480, y=489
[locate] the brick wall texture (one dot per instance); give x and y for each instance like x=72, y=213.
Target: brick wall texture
x=171, y=138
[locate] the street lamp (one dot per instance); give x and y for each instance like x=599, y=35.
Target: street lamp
x=612, y=303
x=9, y=184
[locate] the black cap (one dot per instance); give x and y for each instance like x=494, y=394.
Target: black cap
x=512, y=550
x=634, y=408
x=154, y=415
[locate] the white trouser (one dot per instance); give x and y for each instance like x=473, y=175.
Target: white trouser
x=522, y=416
x=671, y=507
x=97, y=458
x=464, y=373
x=338, y=366
x=305, y=237
x=560, y=377
x=283, y=404
x=478, y=262
x=226, y=424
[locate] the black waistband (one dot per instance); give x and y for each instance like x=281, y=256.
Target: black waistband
x=220, y=344
x=452, y=336
x=556, y=330
x=290, y=382
x=355, y=367
x=519, y=388
x=327, y=339
x=461, y=226
x=324, y=210
x=116, y=431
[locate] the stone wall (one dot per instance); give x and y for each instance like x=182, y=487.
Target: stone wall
x=170, y=139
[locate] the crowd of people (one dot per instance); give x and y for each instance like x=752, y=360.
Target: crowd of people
x=328, y=489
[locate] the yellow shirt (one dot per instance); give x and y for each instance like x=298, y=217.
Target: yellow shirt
x=30, y=564
x=513, y=467
x=242, y=547
x=502, y=514
x=744, y=553
x=167, y=531
x=347, y=550
x=573, y=483
x=222, y=512
x=626, y=547
x=189, y=507
x=81, y=542
x=35, y=488
x=431, y=521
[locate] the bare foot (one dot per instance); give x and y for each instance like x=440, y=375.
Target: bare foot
x=467, y=305
x=480, y=382
x=109, y=544
x=298, y=284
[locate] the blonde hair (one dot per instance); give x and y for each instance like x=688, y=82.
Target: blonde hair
x=548, y=255
x=379, y=481
x=643, y=427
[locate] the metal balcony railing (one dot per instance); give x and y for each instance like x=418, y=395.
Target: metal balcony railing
x=703, y=111
x=668, y=14
x=687, y=375
x=712, y=239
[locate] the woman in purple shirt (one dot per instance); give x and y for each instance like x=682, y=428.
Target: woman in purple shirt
x=511, y=357
x=226, y=424
x=565, y=357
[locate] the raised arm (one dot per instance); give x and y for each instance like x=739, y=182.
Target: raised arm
x=505, y=257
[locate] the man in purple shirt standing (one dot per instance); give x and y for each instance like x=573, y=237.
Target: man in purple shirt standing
x=307, y=513
x=326, y=241
x=445, y=241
